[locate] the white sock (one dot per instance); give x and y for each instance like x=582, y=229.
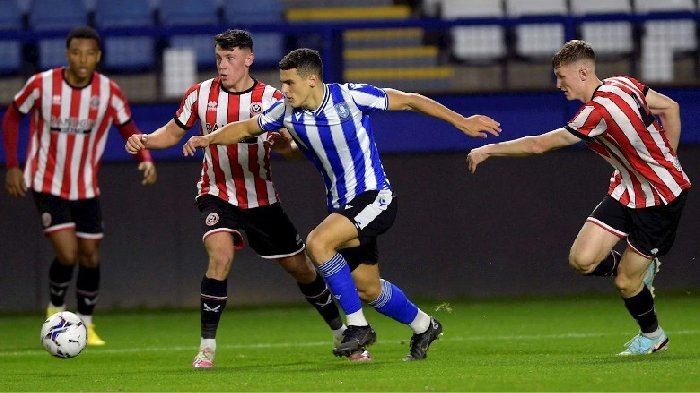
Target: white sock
x=209, y=343
x=87, y=319
x=338, y=333
x=421, y=322
x=357, y=318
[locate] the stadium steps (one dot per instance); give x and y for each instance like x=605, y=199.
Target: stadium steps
x=404, y=56
x=394, y=58
x=330, y=14
x=404, y=78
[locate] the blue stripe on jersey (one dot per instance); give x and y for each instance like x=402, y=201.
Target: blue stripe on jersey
x=301, y=133
x=338, y=139
x=353, y=143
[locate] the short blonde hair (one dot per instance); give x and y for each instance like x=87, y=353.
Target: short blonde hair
x=572, y=51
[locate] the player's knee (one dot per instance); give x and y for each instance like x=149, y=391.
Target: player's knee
x=89, y=259
x=581, y=263
x=627, y=285
x=316, y=245
x=67, y=257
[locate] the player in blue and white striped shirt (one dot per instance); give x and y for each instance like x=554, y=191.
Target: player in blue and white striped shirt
x=330, y=125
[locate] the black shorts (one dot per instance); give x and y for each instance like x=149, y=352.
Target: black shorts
x=651, y=231
x=372, y=213
x=269, y=231
x=56, y=214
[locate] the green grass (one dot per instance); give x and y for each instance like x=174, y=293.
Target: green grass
x=495, y=345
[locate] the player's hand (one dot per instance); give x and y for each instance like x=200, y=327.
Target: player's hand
x=190, y=147
x=136, y=142
x=150, y=175
x=282, y=142
x=476, y=157
x=14, y=182
x=479, y=126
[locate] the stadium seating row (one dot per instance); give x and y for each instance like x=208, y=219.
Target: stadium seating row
x=661, y=39
x=135, y=52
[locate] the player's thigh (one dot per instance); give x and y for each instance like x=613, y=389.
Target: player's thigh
x=334, y=232
x=89, y=251
x=593, y=243
x=271, y=233
x=218, y=216
x=65, y=245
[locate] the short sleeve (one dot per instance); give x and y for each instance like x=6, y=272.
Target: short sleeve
x=368, y=98
x=119, y=106
x=27, y=97
x=588, y=123
x=186, y=114
x=273, y=118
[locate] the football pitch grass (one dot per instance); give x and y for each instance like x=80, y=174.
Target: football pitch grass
x=488, y=345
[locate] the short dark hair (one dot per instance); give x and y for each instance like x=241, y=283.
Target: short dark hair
x=572, y=51
x=306, y=61
x=234, y=38
x=86, y=32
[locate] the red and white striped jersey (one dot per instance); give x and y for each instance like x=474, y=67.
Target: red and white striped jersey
x=618, y=125
x=68, y=131
x=240, y=173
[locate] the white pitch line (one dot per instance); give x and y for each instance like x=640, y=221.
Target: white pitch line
x=447, y=337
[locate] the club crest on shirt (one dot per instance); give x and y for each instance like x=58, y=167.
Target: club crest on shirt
x=212, y=219
x=343, y=110
x=46, y=219
x=212, y=105
x=255, y=108
x=94, y=102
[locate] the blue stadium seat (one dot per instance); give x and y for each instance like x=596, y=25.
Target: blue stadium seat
x=191, y=13
x=126, y=53
x=201, y=44
x=55, y=15
x=123, y=13
x=10, y=50
x=268, y=47
x=245, y=12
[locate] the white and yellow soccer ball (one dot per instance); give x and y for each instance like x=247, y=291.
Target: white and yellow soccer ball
x=64, y=335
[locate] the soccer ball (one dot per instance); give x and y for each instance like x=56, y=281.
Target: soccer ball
x=64, y=335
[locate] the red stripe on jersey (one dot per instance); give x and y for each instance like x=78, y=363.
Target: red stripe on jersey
x=631, y=155
x=233, y=114
x=253, y=161
x=648, y=172
x=66, y=140
x=219, y=175
x=51, y=159
x=242, y=175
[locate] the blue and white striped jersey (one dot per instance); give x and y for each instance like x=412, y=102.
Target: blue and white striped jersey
x=337, y=137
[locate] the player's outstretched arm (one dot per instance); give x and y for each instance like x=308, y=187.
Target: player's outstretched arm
x=162, y=138
x=525, y=146
x=670, y=113
x=228, y=135
x=477, y=125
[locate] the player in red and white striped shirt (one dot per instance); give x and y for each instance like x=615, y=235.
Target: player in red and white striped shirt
x=647, y=191
x=72, y=109
x=235, y=191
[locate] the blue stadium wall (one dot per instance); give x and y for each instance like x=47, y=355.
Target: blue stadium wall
x=519, y=114
x=505, y=231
